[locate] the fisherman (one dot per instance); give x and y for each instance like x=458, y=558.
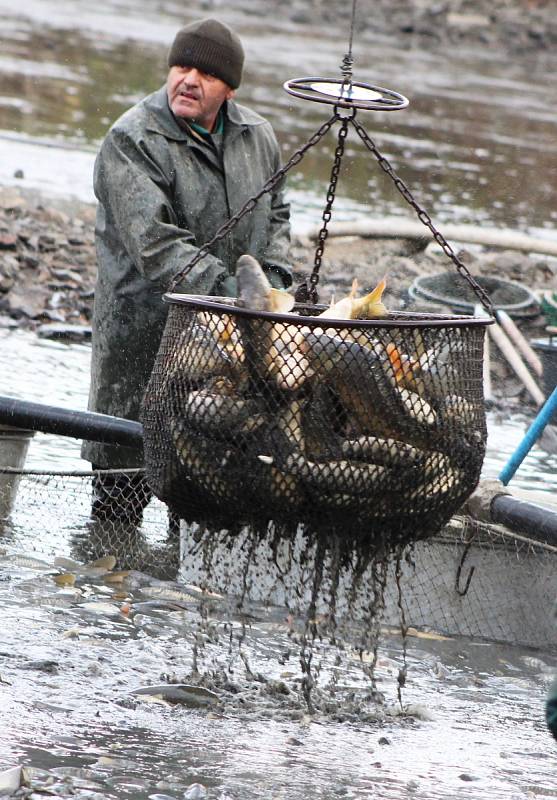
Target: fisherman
x=170, y=172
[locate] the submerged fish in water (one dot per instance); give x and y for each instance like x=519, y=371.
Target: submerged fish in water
x=183, y=693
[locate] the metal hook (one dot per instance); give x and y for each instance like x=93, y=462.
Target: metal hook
x=463, y=592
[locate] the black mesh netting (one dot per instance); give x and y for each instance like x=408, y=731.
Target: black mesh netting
x=86, y=515
x=470, y=579
x=371, y=430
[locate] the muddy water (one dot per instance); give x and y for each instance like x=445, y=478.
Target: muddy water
x=477, y=143
x=471, y=722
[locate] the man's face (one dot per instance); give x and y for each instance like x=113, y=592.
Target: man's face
x=196, y=96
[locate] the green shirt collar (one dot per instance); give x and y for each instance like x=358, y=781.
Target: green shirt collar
x=219, y=126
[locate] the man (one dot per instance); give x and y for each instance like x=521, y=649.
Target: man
x=170, y=172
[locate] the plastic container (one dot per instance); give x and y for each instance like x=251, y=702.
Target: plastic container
x=450, y=289
x=14, y=443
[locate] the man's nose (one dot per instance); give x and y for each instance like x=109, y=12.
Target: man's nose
x=192, y=76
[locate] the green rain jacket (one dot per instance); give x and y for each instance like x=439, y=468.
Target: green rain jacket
x=162, y=194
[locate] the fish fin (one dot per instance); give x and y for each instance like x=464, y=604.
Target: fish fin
x=370, y=305
x=403, y=366
x=281, y=301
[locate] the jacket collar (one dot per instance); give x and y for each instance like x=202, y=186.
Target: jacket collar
x=161, y=119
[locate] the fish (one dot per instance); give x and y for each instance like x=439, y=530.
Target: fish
x=271, y=348
x=169, y=594
x=106, y=562
x=457, y=409
x=390, y=452
x=225, y=332
x=323, y=411
x=418, y=408
x=432, y=373
x=218, y=409
x=342, y=477
x=222, y=326
x=360, y=378
x=116, y=577
x=439, y=486
x=64, y=579
x=254, y=290
x=179, y=693
x=351, y=307
x=203, y=463
x=198, y=356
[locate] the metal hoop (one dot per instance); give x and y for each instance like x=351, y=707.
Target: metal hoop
x=346, y=94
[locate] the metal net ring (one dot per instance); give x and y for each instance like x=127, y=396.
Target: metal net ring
x=346, y=94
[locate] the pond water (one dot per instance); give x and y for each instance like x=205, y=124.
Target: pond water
x=478, y=143
x=471, y=724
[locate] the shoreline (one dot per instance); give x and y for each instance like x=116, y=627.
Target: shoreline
x=516, y=26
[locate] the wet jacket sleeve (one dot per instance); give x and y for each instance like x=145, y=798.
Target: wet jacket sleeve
x=135, y=194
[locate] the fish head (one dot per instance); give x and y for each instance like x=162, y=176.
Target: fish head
x=254, y=289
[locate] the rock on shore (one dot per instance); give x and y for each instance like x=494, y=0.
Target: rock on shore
x=47, y=261
x=516, y=25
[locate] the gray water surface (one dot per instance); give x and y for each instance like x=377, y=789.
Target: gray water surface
x=477, y=143
x=471, y=724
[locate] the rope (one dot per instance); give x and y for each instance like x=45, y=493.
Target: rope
x=348, y=60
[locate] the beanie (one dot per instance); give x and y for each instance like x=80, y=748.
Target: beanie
x=210, y=46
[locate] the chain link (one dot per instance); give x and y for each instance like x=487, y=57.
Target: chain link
x=327, y=211
x=252, y=202
x=424, y=217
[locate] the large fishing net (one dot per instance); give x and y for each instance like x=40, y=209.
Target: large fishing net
x=369, y=431
x=86, y=515
x=469, y=579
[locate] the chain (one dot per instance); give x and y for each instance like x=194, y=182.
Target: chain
x=307, y=293
x=348, y=59
x=424, y=217
x=252, y=202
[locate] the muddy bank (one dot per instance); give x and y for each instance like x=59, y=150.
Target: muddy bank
x=515, y=25
x=48, y=269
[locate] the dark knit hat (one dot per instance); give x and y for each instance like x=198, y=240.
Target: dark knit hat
x=211, y=47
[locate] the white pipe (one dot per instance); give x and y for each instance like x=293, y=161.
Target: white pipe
x=507, y=348
x=401, y=228
x=518, y=339
x=479, y=311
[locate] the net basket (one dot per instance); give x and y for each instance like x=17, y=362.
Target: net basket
x=374, y=430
